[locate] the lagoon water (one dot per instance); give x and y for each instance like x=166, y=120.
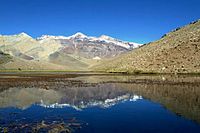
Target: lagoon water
x=99, y=103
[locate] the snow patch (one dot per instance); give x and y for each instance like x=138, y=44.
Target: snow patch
x=96, y=58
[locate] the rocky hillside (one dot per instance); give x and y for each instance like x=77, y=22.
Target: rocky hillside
x=12, y=63
x=4, y=58
x=76, y=52
x=176, y=52
x=26, y=47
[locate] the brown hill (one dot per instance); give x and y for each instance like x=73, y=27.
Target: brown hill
x=8, y=62
x=176, y=52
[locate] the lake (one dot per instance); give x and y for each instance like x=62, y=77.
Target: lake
x=99, y=103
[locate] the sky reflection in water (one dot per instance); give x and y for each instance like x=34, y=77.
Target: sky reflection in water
x=98, y=105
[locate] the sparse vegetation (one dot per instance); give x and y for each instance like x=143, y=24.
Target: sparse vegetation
x=177, y=52
x=4, y=58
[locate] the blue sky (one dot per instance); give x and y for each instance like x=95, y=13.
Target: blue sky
x=132, y=20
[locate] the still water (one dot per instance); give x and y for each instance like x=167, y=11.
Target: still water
x=99, y=103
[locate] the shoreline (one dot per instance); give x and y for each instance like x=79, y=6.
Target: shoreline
x=61, y=72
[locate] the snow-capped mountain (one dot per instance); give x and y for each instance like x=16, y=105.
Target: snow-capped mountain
x=127, y=45
x=102, y=39
x=77, y=52
x=78, y=35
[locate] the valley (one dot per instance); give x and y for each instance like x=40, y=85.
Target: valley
x=176, y=52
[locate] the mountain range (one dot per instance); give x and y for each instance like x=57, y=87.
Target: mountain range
x=76, y=52
x=175, y=52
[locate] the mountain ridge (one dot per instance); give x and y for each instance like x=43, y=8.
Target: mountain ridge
x=92, y=38
x=176, y=52
x=76, y=52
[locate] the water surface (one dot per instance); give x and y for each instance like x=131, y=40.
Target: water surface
x=96, y=103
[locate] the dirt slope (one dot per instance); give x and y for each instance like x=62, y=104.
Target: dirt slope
x=176, y=52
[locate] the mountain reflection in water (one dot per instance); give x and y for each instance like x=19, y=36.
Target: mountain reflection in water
x=179, y=94
x=78, y=97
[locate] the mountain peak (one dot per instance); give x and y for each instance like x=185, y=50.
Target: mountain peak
x=106, y=37
x=23, y=34
x=79, y=35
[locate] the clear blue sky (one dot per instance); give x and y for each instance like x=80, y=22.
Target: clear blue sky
x=131, y=20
